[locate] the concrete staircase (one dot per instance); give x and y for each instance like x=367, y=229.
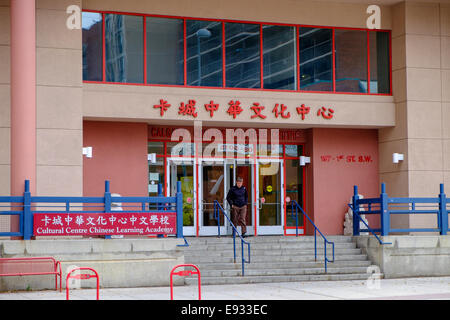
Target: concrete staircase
x=274, y=259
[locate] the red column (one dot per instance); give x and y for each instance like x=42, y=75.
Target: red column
x=23, y=95
x=23, y=98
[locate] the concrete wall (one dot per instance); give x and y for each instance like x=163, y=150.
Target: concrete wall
x=340, y=159
x=421, y=86
x=408, y=256
x=119, y=263
x=119, y=155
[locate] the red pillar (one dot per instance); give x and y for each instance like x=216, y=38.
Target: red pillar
x=23, y=96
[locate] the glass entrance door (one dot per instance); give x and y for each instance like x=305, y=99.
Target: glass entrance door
x=183, y=170
x=242, y=168
x=270, y=204
x=212, y=187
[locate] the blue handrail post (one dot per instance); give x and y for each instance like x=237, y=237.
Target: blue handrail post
x=443, y=211
x=385, y=218
x=179, y=197
x=27, y=215
x=107, y=201
x=355, y=208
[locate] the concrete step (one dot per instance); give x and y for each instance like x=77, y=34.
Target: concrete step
x=266, y=246
x=283, y=271
x=275, y=253
x=262, y=239
x=279, y=265
x=277, y=278
x=279, y=258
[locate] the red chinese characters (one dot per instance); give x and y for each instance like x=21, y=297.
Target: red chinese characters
x=235, y=108
x=163, y=105
x=211, y=107
x=281, y=112
x=188, y=109
x=303, y=111
x=257, y=109
x=326, y=113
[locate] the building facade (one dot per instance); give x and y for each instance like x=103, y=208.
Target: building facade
x=202, y=92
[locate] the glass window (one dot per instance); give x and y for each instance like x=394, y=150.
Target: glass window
x=204, y=53
x=351, y=60
x=156, y=147
x=316, y=59
x=294, y=192
x=293, y=151
x=268, y=150
x=176, y=149
x=92, y=46
x=165, y=51
x=243, y=65
x=279, y=57
x=124, y=48
x=379, y=62
x=155, y=177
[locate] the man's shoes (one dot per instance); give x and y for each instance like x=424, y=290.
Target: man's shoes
x=244, y=235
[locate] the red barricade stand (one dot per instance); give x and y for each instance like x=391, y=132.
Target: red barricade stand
x=82, y=276
x=184, y=273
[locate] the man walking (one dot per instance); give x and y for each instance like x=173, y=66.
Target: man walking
x=237, y=198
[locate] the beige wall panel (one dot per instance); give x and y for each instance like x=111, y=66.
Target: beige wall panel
x=425, y=154
x=57, y=4
x=59, y=67
x=59, y=107
x=424, y=84
x=424, y=119
x=5, y=74
x=422, y=18
x=5, y=25
x=445, y=52
x=446, y=152
x=398, y=52
x=5, y=146
x=425, y=183
x=445, y=120
x=51, y=30
x=5, y=176
x=447, y=182
x=285, y=11
x=445, y=85
x=137, y=102
x=398, y=20
x=59, y=180
x=386, y=150
x=396, y=183
x=59, y=147
x=399, y=85
x=400, y=131
x=423, y=51
x=5, y=105
x=445, y=20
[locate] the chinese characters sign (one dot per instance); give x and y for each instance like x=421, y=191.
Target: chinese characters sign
x=235, y=108
x=117, y=223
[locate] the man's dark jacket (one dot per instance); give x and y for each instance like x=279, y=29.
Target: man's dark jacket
x=237, y=196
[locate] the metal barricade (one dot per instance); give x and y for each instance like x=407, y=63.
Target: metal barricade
x=82, y=276
x=185, y=273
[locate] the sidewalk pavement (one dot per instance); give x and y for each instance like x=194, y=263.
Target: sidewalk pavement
x=436, y=288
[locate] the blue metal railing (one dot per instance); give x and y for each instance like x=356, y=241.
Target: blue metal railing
x=386, y=206
x=26, y=206
x=295, y=207
x=217, y=209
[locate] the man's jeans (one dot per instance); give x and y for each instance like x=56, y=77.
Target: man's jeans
x=238, y=216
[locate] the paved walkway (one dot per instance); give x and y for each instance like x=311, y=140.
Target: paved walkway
x=387, y=289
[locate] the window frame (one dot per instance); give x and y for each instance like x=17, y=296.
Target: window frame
x=261, y=88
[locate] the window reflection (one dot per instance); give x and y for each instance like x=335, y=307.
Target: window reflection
x=351, y=60
x=279, y=57
x=379, y=62
x=165, y=51
x=124, y=48
x=92, y=46
x=316, y=59
x=243, y=65
x=204, y=53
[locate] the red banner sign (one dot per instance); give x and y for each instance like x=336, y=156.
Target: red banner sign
x=112, y=223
